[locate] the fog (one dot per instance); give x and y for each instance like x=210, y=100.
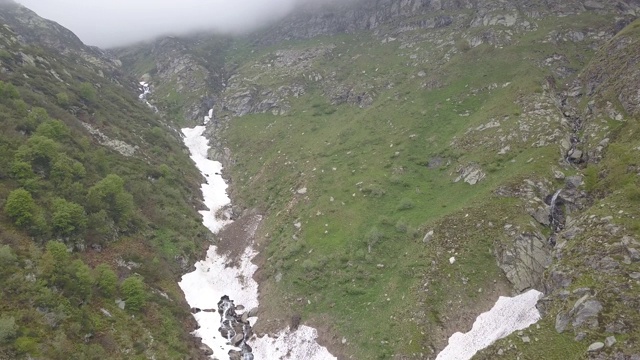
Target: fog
x=108, y=23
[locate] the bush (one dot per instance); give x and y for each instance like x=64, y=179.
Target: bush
x=7, y=257
x=87, y=91
x=21, y=207
x=63, y=99
x=132, y=289
x=405, y=204
x=373, y=237
x=7, y=328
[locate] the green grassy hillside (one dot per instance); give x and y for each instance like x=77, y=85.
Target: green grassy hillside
x=97, y=200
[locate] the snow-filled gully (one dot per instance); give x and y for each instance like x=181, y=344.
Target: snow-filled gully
x=214, y=285
x=212, y=279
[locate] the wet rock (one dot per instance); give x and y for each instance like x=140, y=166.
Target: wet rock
x=206, y=350
x=573, y=182
x=542, y=216
x=295, y=322
x=253, y=312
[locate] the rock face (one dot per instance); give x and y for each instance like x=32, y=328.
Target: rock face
x=525, y=261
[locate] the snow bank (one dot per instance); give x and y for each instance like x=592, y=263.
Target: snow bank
x=300, y=344
x=507, y=316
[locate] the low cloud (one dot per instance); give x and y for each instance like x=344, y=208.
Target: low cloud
x=109, y=23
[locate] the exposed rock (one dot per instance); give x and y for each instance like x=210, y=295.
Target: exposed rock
x=587, y=313
x=471, y=174
x=428, y=237
x=610, y=341
x=525, y=260
x=595, y=347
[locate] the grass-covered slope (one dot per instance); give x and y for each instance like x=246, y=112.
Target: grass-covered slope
x=404, y=162
x=97, y=200
x=357, y=167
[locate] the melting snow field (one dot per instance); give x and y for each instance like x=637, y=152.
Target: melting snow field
x=212, y=279
x=507, y=316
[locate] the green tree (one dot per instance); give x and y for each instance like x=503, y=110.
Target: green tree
x=40, y=152
x=132, y=289
x=65, y=171
x=53, y=129
x=109, y=194
x=106, y=280
x=82, y=282
x=23, y=173
x=67, y=217
x=21, y=207
x=54, y=262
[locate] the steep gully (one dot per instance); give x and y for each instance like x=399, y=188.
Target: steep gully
x=229, y=333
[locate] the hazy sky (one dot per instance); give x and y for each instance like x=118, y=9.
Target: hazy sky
x=117, y=22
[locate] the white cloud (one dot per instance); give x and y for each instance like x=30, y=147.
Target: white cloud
x=117, y=22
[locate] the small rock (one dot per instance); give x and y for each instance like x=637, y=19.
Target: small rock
x=596, y=346
x=500, y=352
x=380, y=266
x=559, y=175
x=580, y=336
x=610, y=341
x=106, y=312
x=635, y=275
x=634, y=254
x=344, y=340
x=121, y=304
x=302, y=191
x=428, y=237
x=526, y=339
x=452, y=260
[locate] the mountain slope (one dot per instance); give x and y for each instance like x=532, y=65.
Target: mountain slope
x=97, y=205
x=382, y=139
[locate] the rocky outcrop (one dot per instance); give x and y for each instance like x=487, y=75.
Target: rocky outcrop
x=234, y=326
x=33, y=30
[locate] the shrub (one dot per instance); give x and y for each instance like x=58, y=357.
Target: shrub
x=405, y=204
x=7, y=328
x=63, y=99
x=132, y=289
x=7, y=257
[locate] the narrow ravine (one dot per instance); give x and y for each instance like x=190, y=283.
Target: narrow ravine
x=215, y=278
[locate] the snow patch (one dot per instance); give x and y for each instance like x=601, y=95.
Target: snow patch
x=300, y=344
x=507, y=316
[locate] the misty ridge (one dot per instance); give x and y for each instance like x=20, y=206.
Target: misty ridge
x=112, y=23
